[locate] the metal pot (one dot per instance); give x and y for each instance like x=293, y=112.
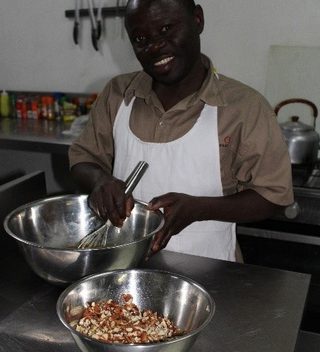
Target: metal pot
x=302, y=139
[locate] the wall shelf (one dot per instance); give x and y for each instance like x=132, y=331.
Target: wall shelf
x=105, y=12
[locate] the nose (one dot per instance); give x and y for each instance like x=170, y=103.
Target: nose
x=155, y=44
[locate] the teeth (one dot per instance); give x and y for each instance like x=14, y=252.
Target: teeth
x=164, y=61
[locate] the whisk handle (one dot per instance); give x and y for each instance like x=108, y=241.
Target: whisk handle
x=135, y=176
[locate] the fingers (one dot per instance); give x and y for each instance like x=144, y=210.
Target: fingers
x=122, y=210
x=117, y=213
x=115, y=208
x=129, y=205
x=160, y=241
x=108, y=207
x=93, y=205
x=155, y=246
x=161, y=202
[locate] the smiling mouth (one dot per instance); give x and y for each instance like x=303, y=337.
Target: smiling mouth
x=164, y=61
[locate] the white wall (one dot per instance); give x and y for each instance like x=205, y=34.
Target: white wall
x=37, y=51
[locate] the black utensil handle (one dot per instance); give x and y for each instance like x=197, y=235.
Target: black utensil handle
x=94, y=39
x=99, y=29
x=76, y=33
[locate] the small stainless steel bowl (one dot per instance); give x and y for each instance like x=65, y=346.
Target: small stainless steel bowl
x=48, y=231
x=179, y=298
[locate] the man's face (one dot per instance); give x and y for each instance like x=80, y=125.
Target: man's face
x=165, y=38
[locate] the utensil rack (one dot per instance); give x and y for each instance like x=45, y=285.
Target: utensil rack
x=105, y=12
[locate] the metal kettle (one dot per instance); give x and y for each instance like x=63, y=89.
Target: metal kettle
x=302, y=139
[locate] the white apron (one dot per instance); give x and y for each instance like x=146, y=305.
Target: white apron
x=191, y=165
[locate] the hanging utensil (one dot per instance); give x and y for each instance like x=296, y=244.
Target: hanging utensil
x=76, y=23
x=93, y=25
x=117, y=8
x=99, y=20
x=118, y=5
x=99, y=237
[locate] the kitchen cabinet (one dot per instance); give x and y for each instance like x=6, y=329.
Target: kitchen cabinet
x=19, y=191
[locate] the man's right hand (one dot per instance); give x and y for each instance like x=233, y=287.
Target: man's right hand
x=106, y=193
x=109, y=201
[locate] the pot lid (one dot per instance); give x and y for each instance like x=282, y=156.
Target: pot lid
x=296, y=126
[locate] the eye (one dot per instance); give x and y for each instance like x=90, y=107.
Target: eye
x=139, y=39
x=165, y=28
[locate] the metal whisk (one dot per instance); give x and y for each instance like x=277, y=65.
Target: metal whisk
x=99, y=237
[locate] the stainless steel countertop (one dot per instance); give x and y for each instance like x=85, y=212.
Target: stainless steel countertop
x=257, y=308
x=35, y=135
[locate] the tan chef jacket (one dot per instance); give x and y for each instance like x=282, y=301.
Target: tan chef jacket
x=253, y=153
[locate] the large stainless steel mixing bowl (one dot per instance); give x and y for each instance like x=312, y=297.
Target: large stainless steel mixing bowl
x=48, y=231
x=179, y=298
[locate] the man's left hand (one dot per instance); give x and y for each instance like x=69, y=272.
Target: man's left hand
x=179, y=212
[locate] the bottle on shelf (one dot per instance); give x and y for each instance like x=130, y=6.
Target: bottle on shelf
x=5, y=106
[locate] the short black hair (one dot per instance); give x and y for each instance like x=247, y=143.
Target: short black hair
x=188, y=4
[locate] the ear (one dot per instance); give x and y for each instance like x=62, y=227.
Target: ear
x=199, y=18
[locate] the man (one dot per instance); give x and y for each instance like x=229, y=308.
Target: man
x=216, y=153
